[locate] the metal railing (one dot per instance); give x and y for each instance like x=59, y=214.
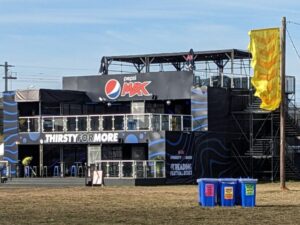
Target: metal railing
x=290, y=84
x=293, y=113
x=111, y=122
x=290, y=153
x=234, y=80
x=132, y=168
x=215, y=79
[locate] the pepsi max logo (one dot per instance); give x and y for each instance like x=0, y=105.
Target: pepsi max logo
x=112, y=89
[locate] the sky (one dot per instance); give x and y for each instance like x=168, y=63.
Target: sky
x=48, y=39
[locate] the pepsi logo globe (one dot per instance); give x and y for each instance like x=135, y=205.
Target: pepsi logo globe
x=112, y=89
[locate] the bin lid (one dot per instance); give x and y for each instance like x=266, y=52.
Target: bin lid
x=247, y=180
x=207, y=180
x=228, y=182
x=228, y=179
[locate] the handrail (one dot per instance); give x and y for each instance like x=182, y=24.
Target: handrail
x=100, y=161
x=295, y=114
x=290, y=154
x=132, y=168
x=106, y=122
x=92, y=115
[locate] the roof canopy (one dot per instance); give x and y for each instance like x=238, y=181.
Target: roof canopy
x=173, y=58
x=179, y=56
x=51, y=96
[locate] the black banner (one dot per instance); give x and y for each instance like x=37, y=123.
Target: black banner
x=160, y=85
x=190, y=156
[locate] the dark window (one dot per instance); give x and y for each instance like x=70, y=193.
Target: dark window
x=50, y=109
x=28, y=108
x=75, y=109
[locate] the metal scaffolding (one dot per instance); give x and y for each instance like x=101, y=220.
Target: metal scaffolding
x=259, y=136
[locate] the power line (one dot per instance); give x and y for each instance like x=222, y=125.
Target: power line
x=37, y=76
x=290, y=37
x=38, y=79
x=294, y=23
x=33, y=80
x=52, y=68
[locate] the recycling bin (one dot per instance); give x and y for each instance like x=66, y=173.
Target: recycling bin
x=247, y=189
x=227, y=192
x=207, y=191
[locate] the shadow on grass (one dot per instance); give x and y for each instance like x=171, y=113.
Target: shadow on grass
x=279, y=191
x=277, y=206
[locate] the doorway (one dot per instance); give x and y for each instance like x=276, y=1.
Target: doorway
x=29, y=151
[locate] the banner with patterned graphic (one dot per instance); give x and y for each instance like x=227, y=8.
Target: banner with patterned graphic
x=265, y=49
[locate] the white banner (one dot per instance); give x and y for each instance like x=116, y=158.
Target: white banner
x=97, y=177
x=82, y=138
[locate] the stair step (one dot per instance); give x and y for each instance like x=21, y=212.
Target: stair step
x=291, y=171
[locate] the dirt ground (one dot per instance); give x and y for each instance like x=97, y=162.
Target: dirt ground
x=142, y=205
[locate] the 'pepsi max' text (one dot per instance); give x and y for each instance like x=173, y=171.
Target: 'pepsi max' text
x=113, y=89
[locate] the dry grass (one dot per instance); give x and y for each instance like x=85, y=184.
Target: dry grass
x=142, y=205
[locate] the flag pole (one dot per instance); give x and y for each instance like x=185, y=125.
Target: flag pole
x=282, y=106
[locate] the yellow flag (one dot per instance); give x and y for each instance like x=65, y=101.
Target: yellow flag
x=265, y=49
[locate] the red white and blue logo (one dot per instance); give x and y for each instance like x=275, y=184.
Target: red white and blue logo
x=112, y=89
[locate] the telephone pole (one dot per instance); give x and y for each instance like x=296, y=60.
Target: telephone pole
x=282, y=107
x=6, y=77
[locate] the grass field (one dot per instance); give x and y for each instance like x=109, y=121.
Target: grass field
x=142, y=205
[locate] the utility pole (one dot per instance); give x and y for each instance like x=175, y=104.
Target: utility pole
x=282, y=107
x=6, y=77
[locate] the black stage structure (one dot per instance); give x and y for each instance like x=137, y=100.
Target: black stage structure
x=154, y=118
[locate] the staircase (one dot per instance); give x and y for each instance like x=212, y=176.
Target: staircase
x=291, y=128
x=261, y=149
x=291, y=171
x=254, y=107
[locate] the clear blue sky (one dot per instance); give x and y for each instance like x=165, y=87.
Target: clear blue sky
x=54, y=38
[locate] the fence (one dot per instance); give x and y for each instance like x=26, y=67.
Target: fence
x=132, y=168
x=116, y=122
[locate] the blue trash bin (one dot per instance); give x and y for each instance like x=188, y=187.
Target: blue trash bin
x=227, y=192
x=247, y=188
x=207, y=191
x=236, y=193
